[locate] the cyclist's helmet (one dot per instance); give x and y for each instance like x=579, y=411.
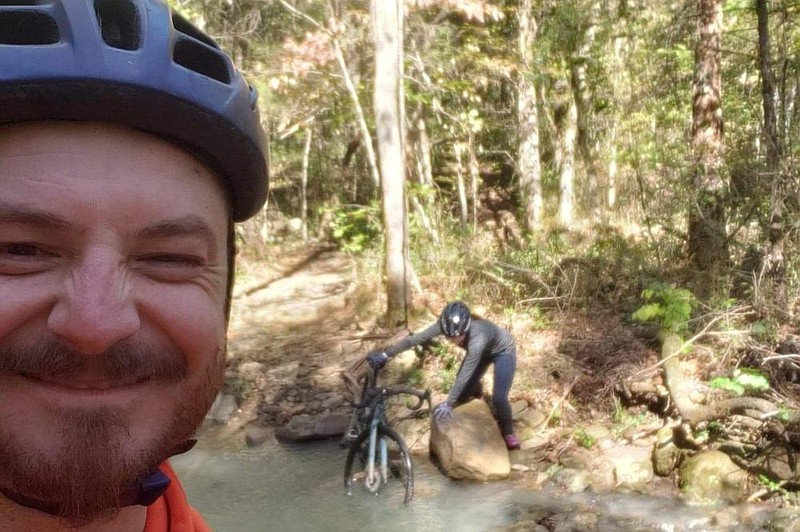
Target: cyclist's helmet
x=455, y=319
x=140, y=64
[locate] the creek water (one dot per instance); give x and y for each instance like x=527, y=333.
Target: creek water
x=299, y=487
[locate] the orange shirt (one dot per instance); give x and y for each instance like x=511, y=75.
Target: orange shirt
x=171, y=512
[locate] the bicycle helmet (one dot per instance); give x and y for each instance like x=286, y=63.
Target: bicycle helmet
x=140, y=64
x=455, y=319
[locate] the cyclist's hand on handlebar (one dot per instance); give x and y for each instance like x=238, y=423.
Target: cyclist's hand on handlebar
x=377, y=359
x=442, y=411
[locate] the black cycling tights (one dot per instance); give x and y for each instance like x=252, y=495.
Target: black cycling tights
x=505, y=365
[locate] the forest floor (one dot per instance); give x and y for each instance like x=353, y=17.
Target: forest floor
x=306, y=305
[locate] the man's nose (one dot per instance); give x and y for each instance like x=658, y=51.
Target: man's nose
x=96, y=308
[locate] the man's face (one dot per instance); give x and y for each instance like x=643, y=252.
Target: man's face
x=112, y=295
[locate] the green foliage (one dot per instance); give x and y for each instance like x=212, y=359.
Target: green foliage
x=742, y=380
x=625, y=419
x=666, y=305
x=415, y=378
x=773, y=486
x=585, y=440
x=764, y=330
x=356, y=228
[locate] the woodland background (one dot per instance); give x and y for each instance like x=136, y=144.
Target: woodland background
x=655, y=140
x=531, y=156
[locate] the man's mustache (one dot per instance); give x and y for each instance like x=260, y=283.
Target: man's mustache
x=127, y=360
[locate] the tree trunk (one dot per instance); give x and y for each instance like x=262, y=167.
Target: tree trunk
x=458, y=149
x=583, y=101
x=707, y=232
x=362, y=121
x=529, y=167
x=387, y=26
x=421, y=153
x=304, y=184
x=348, y=83
x=568, y=134
x=474, y=177
x=775, y=255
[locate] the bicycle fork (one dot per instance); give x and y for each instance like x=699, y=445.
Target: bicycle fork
x=377, y=474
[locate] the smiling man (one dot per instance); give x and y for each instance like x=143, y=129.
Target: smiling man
x=129, y=145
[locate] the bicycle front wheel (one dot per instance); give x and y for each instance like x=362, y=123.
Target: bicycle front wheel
x=392, y=477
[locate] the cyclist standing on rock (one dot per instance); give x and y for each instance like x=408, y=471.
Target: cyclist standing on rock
x=485, y=344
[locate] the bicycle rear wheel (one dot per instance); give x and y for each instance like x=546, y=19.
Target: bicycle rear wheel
x=398, y=475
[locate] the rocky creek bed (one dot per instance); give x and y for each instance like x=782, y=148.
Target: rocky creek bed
x=296, y=330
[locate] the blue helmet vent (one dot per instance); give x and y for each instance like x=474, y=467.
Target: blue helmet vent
x=23, y=27
x=201, y=59
x=119, y=23
x=187, y=28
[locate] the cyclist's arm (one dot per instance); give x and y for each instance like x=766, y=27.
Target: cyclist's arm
x=414, y=340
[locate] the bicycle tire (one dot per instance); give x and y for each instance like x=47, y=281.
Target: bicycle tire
x=402, y=471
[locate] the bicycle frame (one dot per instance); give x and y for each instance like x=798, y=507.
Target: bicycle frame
x=374, y=433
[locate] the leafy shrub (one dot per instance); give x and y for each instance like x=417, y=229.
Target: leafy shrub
x=356, y=228
x=742, y=380
x=668, y=306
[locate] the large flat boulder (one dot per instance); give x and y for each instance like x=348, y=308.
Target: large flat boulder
x=469, y=445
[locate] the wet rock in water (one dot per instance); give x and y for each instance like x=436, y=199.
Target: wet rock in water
x=572, y=480
x=711, y=476
x=223, y=408
x=633, y=469
x=256, y=435
x=784, y=520
x=469, y=445
x=666, y=454
x=304, y=427
x=329, y=425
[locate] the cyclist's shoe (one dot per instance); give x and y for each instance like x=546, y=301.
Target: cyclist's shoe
x=512, y=443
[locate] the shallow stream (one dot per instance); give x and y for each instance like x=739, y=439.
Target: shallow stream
x=297, y=487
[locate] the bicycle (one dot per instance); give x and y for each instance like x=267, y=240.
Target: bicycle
x=383, y=455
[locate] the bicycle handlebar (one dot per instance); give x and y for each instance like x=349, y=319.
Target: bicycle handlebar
x=372, y=392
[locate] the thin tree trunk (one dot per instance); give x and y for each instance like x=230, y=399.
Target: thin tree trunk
x=528, y=153
x=583, y=102
x=775, y=255
x=566, y=174
x=304, y=183
x=458, y=149
x=611, y=191
x=348, y=83
x=421, y=153
x=359, y=111
x=474, y=176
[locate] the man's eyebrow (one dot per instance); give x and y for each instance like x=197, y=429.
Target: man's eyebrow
x=24, y=215
x=191, y=226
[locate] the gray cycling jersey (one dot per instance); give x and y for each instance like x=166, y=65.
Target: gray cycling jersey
x=485, y=341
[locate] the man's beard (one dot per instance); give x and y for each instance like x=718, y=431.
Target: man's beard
x=87, y=476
